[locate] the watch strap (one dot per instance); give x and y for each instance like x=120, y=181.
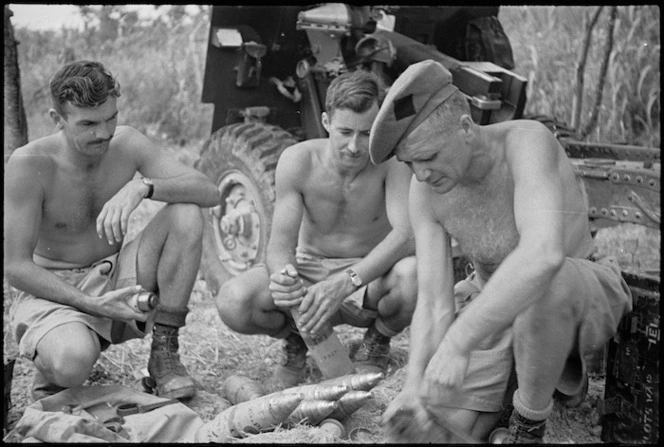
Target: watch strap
x=354, y=278
x=148, y=182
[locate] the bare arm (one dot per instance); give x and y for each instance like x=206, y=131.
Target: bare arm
x=23, y=200
x=174, y=182
x=527, y=271
x=435, y=308
x=398, y=244
x=434, y=311
x=286, y=288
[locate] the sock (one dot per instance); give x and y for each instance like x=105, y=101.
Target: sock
x=533, y=415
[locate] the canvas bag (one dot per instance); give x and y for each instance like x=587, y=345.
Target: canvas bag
x=45, y=421
x=486, y=41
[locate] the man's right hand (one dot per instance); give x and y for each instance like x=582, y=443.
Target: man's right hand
x=405, y=418
x=286, y=287
x=115, y=305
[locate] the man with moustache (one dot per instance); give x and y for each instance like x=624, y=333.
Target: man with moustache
x=68, y=199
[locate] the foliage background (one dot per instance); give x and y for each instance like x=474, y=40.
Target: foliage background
x=160, y=64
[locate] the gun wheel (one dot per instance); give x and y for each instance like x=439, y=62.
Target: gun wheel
x=241, y=160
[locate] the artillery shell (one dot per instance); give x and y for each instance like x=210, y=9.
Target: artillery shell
x=254, y=416
x=316, y=391
x=242, y=389
x=499, y=435
x=349, y=403
x=362, y=382
x=312, y=411
x=333, y=426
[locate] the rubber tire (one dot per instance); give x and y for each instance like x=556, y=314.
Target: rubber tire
x=250, y=151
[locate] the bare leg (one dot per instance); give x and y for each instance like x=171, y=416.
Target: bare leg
x=65, y=357
x=245, y=305
x=170, y=253
x=395, y=296
x=543, y=339
x=168, y=260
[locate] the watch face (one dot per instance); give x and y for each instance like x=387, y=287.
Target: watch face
x=354, y=279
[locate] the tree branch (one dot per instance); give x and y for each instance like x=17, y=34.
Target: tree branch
x=577, y=104
x=602, y=74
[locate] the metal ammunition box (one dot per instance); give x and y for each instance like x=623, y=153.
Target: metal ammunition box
x=630, y=408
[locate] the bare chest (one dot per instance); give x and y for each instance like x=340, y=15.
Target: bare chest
x=335, y=205
x=481, y=218
x=73, y=202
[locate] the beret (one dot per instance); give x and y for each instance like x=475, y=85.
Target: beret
x=412, y=97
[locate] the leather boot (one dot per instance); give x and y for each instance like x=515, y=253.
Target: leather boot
x=170, y=377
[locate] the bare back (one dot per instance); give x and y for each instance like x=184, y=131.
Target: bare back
x=342, y=217
x=481, y=217
x=68, y=196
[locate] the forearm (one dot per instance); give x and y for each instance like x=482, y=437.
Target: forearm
x=186, y=188
x=37, y=281
x=394, y=247
x=278, y=256
x=427, y=330
x=519, y=282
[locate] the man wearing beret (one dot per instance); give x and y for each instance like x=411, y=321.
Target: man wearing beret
x=341, y=247
x=537, y=298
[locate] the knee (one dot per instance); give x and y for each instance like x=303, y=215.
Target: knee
x=235, y=302
x=186, y=220
x=404, y=281
x=402, y=287
x=73, y=367
x=563, y=300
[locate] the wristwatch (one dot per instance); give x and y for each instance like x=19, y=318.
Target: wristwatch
x=354, y=278
x=148, y=182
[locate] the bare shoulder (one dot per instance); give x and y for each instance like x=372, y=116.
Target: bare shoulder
x=525, y=138
x=525, y=131
x=36, y=157
x=130, y=137
x=300, y=155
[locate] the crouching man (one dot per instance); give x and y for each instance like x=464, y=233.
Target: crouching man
x=68, y=198
x=508, y=194
x=341, y=247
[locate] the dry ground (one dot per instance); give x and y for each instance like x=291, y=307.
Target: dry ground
x=212, y=352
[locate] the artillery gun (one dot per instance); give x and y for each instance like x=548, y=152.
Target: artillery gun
x=267, y=71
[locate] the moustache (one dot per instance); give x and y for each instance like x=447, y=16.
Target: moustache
x=100, y=141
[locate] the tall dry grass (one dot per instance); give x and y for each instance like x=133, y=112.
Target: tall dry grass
x=160, y=66
x=547, y=42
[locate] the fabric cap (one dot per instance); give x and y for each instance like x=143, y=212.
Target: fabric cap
x=414, y=95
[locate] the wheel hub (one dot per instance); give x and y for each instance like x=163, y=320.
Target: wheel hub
x=237, y=222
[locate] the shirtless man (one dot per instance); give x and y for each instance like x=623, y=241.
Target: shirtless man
x=341, y=246
x=68, y=199
x=508, y=194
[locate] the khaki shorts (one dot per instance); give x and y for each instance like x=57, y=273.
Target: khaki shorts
x=33, y=317
x=606, y=299
x=313, y=269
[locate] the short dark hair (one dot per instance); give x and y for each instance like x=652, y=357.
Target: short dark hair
x=355, y=90
x=83, y=84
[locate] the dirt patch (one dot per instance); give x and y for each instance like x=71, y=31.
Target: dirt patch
x=212, y=352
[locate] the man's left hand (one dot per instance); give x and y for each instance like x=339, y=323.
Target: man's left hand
x=321, y=302
x=447, y=366
x=113, y=219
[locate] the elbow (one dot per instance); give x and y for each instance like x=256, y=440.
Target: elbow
x=214, y=198
x=552, y=259
x=10, y=272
